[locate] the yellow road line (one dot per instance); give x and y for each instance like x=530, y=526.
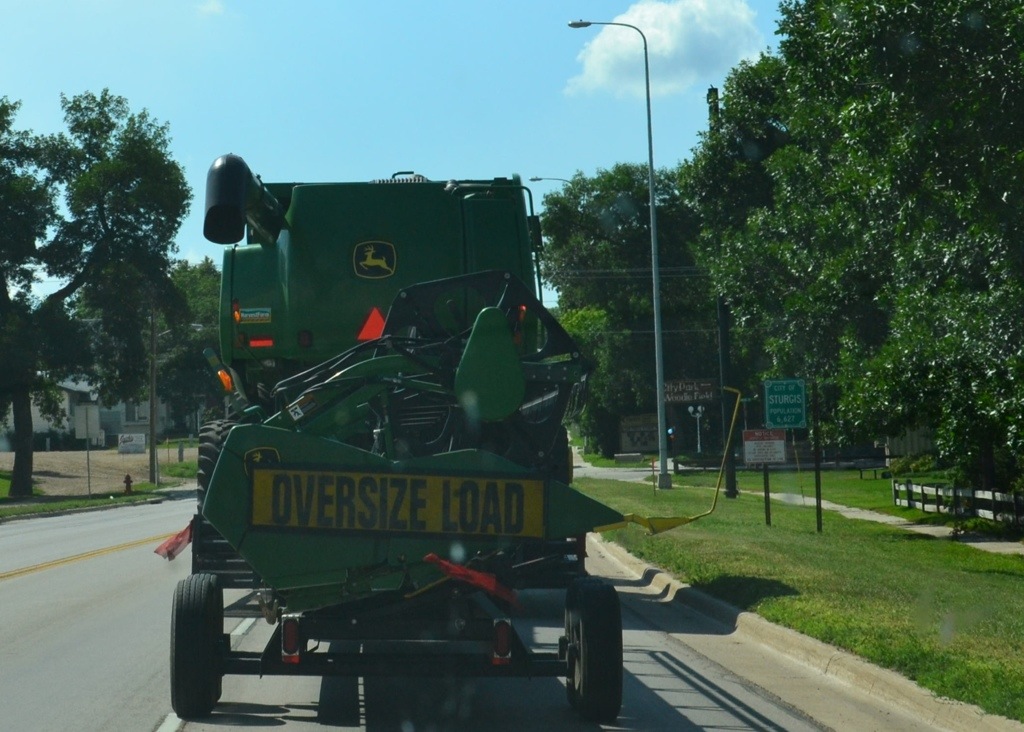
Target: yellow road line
x=79, y=557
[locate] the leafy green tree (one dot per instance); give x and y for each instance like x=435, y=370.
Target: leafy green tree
x=107, y=245
x=728, y=182
x=185, y=380
x=27, y=208
x=880, y=250
x=927, y=104
x=598, y=256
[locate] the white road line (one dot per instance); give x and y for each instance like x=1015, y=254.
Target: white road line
x=242, y=628
x=171, y=724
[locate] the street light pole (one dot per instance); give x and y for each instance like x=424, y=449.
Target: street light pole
x=536, y=178
x=154, y=474
x=664, y=479
x=697, y=412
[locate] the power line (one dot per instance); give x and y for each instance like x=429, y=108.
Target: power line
x=638, y=273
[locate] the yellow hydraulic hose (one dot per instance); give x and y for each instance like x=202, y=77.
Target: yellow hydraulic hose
x=658, y=524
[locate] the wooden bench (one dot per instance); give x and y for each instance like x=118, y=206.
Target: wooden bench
x=864, y=465
x=628, y=457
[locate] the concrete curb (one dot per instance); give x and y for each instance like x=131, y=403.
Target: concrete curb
x=158, y=496
x=828, y=660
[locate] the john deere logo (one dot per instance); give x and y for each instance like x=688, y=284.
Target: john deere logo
x=374, y=260
x=260, y=457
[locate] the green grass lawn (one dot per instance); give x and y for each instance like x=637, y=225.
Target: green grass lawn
x=845, y=487
x=66, y=503
x=948, y=616
x=185, y=470
x=172, y=474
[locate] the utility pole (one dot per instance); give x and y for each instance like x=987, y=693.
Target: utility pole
x=153, y=477
x=724, y=339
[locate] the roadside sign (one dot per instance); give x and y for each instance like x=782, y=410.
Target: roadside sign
x=638, y=432
x=688, y=391
x=87, y=421
x=131, y=443
x=785, y=404
x=764, y=446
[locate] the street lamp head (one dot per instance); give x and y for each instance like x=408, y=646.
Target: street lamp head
x=580, y=24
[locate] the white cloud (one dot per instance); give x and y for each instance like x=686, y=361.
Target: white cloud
x=689, y=42
x=211, y=7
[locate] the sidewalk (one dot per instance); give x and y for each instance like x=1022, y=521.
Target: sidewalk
x=585, y=469
x=940, y=532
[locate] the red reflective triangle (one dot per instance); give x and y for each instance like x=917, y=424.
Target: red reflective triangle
x=373, y=328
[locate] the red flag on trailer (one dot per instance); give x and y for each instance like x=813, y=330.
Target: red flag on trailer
x=373, y=327
x=176, y=544
x=484, y=580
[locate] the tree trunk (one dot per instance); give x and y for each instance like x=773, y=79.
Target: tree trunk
x=21, y=475
x=988, y=467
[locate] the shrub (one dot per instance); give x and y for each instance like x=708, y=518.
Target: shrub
x=923, y=463
x=910, y=464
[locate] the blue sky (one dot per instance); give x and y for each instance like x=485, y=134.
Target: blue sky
x=333, y=90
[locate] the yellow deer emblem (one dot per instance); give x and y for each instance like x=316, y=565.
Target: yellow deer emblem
x=378, y=259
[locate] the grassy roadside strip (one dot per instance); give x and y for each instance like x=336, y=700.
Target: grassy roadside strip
x=946, y=615
x=53, y=504
x=847, y=488
x=39, y=503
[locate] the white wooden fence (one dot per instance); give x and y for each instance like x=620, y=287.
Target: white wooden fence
x=963, y=502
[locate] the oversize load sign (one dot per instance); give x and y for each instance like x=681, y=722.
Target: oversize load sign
x=397, y=503
x=785, y=404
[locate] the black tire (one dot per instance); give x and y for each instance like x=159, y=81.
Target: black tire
x=572, y=633
x=197, y=627
x=211, y=441
x=593, y=621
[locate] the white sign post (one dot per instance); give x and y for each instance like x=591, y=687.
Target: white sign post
x=764, y=447
x=87, y=426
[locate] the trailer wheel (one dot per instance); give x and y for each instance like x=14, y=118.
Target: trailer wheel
x=211, y=442
x=593, y=625
x=197, y=625
x=572, y=617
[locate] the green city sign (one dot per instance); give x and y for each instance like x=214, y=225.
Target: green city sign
x=785, y=404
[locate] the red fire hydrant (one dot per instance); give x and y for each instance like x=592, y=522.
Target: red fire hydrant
x=127, y=483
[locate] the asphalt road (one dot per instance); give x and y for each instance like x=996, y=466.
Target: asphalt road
x=666, y=686
x=85, y=635
x=85, y=606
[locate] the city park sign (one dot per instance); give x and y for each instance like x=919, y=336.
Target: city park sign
x=690, y=391
x=785, y=404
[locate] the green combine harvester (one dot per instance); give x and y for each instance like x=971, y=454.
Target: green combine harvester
x=396, y=465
